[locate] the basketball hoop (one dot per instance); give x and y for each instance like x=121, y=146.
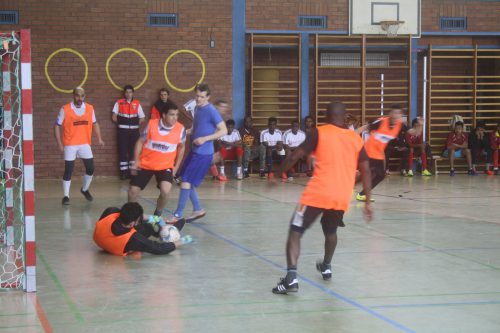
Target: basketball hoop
x=391, y=27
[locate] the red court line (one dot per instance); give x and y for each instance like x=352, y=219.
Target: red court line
x=47, y=328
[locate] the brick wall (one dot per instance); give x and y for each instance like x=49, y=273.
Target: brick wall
x=97, y=29
x=481, y=15
x=283, y=15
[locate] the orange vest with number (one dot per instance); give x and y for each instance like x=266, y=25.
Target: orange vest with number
x=77, y=130
x=159, y=151
x=337, y=154
x=106, y=240
x=379, y=138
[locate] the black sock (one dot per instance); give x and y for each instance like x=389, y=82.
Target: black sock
x=291, y=274
x=157, y=212
x=326, y=266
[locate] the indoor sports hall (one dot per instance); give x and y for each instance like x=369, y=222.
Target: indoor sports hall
x=428, y=261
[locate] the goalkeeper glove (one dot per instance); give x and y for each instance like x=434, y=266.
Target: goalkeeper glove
x=186, y=240
x=156, y=222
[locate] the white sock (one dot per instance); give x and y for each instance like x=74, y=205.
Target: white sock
x=222, y=170
x=86, y=182
x=66, y=186
x=238, y=170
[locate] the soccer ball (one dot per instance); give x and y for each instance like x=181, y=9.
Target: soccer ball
x=170, y=234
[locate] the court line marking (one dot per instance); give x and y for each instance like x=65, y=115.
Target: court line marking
x=387, y=235
x=60, y=288
x=428, y=305
x=44, y=321
x=303, y=278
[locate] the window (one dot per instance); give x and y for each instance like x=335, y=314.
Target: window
x=163, y=20
x=353, y=59
x=312, y=22
x=453, y=23
x=9, y=17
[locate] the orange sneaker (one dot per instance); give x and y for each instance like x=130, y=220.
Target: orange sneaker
x=222, y=178
x=270, y=175
x=284, y=176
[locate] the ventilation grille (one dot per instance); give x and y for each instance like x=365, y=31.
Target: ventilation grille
x=353, y=59
x=312, y=22
x=163, y=20
x=453, y=23
x=9, y=17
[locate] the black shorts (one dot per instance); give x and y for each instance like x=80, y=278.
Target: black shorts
x=304, y=217
x=143, y=177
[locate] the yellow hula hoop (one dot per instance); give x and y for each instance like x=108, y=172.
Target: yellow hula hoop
x=67, y=91
x=170, y=58
x=120, y=51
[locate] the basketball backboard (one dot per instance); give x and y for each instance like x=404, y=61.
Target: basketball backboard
x=365, y=16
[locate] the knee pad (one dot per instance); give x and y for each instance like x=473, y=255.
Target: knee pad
x=89, y=166
x=68, y=170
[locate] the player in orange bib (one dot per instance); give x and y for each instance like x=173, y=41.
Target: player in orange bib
x=382, y=131
x=126, y=230
x=158, y=152
x=76, y=119
x=338, y=152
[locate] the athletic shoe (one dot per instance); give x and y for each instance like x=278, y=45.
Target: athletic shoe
x=325, y=271
x=239, y=176
x=495, y=172
x=387, y=172
x=362, y=197
x=270, y=176
x=472, y=172
x=196, y=216
x=403, y=173
x=284, y=288
x=172, y=219
x=452, y=173
x=426, y=173
x=309, y=174
x=86, y=194
x=284, y=177
x=180, y=224
x=290, y=178
x=262, y=174
x=65, y=201
x=246, y=174
x=221, y=178
x=410, y=173
x=488, y=172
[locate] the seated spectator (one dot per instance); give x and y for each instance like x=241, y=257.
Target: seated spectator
x=231, y=149
x=292, y=138
x=457, y=146
x=479, y=143
x=495, y=147
x=415, y=140
x=309, y=126
x=251, y=143
x=271, y=140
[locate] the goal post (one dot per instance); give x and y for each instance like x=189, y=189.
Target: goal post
x=17, y=200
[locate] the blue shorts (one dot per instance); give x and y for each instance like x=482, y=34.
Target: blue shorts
x=195, y=167
x=458, y=153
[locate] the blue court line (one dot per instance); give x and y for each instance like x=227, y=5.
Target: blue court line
x=429, y=305
x=312, y=283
